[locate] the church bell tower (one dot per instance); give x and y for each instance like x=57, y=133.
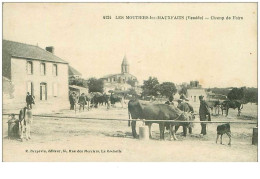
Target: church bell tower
x=125, y=66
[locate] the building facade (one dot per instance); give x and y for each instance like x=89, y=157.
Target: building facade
x=74, y=74
x=35, y=70
x=122, y=81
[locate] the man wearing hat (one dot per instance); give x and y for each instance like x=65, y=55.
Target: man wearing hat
x=204, y=113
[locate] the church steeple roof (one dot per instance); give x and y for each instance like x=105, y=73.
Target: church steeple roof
x=125, y=62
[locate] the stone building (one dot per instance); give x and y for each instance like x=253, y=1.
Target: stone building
x=195, y=90
x=73, y=73
x=37, y=71
x=122, y=81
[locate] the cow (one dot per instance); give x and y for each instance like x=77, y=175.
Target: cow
x=114, y=99
x=223, y=129
x=214, y=104
x=185, y=107
x=101, y=100
x=226, y=105
x=25, y=121
x=155, y=112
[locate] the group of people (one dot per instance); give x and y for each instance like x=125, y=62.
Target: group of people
x=17, y=127
x=204, y=111
x=82, y=100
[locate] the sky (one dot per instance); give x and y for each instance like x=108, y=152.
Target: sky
x=218, y=53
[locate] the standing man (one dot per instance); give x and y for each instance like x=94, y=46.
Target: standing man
x=71, y=98
x=204, y=113
x=29, y=100
x=82, y=101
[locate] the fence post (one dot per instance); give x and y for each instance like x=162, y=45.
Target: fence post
x=255, y=136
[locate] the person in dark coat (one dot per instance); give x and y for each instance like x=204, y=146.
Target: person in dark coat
x=82, y=101
x=29, y=100
x=204, y=114
x=13, y=127
x=112, y=100
x=72, y=101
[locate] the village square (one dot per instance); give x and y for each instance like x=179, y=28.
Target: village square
x=36, y=79
x=78, y=89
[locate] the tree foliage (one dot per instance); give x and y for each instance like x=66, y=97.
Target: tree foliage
x=223, y=91
x=251, y=95
x=131, y=82
x=95, y=85
x=167, y=89
x=236, y=94
x=132, y=92
x=149, y=87
x=152, y=87
x=183, y=90
x=77, y=82
x=244, y=94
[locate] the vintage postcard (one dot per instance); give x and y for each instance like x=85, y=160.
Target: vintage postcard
x=130, y=82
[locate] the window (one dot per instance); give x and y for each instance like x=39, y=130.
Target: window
x=30, y=87
x=43, y=69
x=194, y=98
x=55, y=89
x=29, y=68
x=43, y=91
x=55, y=70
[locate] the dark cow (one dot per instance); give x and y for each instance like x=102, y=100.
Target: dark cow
x=155, y=112
x=185, y=107
x=214, y=104
x=115, y=99
x=226, y=105
x=223, y=129
x=101, y=100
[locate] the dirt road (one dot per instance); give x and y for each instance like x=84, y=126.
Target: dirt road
x=55, y=139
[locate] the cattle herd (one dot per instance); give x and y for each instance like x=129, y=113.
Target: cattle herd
x=166, y=115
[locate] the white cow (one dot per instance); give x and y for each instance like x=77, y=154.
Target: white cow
x=25, y=120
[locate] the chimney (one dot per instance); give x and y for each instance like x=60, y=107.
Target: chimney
x=50, y=49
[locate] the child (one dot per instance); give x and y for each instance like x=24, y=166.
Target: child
x=13, y=127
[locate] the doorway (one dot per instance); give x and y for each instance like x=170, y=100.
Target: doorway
x=43, y=91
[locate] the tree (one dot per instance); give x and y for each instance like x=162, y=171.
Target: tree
x=95, y=85
x=149, y=87
x=183, y=90
x=222, y=91
x=131, y=82
x=132, y=92
x=236, y=94
x=167, y=89
x=76, y=81
x=251, y=95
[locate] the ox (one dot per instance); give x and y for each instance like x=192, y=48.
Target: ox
x=231, y=104
x=185, y=107
x=25, y=120
x=214, y=105
x=155, y=112
x=115, y=99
